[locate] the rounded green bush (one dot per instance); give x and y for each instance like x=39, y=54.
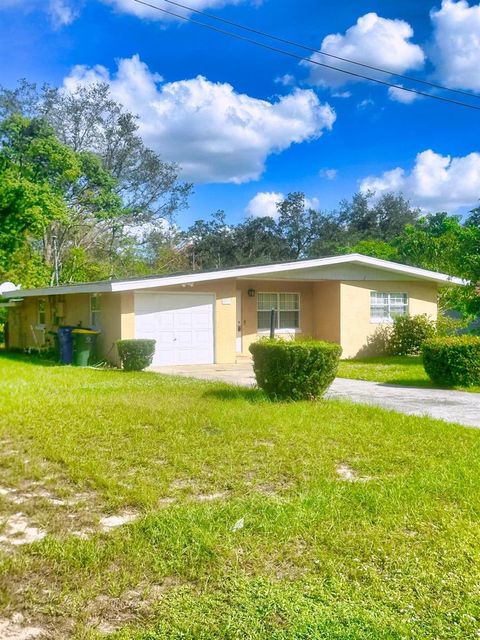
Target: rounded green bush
x=408, y=333
x=136, y=355
x=289, y=370
x=453, y=361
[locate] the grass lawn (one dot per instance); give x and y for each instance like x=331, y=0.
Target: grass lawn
x=403, y=370
x=248, y=519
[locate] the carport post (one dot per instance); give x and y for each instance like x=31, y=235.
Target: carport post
x=272, y=324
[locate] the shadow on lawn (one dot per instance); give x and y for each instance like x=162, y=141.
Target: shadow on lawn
x=25, y=358
x=236, y=393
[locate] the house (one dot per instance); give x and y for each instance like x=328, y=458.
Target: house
x=213, y=317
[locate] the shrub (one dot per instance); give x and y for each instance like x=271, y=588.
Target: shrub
x=378, y=344
x=453, y=361
x=448, y=326
x=295, y=370
x=409, y=333
x=136, y=355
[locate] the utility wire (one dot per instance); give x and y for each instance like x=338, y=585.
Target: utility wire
x=303, y=59
x=319, y=51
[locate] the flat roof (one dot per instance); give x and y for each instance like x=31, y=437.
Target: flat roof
x=155, y=281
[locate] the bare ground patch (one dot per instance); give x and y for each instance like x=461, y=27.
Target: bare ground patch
x=18, y=530
x=16, y=628
x=106, y=613
x=348, y=474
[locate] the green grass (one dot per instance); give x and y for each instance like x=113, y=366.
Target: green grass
x=403, y=370
x=392, y=556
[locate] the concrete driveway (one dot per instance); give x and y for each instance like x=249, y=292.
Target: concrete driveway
x=452, y=406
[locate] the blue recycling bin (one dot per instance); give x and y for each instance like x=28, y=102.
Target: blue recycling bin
x=65, y=344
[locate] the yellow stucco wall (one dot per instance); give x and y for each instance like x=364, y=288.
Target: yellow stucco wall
x=23, y=322
x=326, y=310
x=356, y=325
x=110, y=326
x=224, y=312
x=329, y=310
x=249, y=307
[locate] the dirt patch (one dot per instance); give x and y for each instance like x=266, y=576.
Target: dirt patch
x=267, y=489
x=18, y=530
x=164, y=502
x=210, y=497
x=107, y=613
x=37, y=491
x=347, y=474
x=107, y=523
x=182, y=484
x=264, y=443
x=15, y=629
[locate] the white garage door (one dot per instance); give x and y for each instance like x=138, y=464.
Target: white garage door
x=181, y=324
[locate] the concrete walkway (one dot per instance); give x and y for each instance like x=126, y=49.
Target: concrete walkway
x=453, y=406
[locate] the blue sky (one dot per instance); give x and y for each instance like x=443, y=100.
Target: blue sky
x=260, y=123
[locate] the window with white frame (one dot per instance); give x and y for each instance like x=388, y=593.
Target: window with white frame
x=95, y=310
x=384, y=307
x=287, y=307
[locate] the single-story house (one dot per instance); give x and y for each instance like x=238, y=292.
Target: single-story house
x=213, y=316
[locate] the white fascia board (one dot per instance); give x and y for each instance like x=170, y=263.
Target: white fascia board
x=424, y=274
x=241, y=272
x=92, y=287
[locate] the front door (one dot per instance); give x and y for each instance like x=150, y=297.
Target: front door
x=238, y=345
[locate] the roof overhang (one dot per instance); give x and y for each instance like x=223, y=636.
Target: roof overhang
x=284, y=270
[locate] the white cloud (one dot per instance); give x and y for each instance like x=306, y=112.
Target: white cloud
x=148, y=13
x=436, y=182
x=456, y=44
x=400, y=95
x=264, y=203
x=214, y=133
x=64, y=12
x=342, y=94
x=373, y=40
x=365, y=104
x=287, y=80
x=328, y=174
x=60, y=12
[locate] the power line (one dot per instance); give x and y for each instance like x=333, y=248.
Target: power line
x=303, y=59
x=319, y=51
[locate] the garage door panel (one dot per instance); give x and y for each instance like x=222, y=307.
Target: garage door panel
x=181, y=324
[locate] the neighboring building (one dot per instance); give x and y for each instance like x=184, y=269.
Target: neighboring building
x=207, y=317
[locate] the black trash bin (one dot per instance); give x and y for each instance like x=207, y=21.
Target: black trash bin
x=65, y=344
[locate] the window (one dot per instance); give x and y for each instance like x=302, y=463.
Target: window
x=95, y=310
x=385, y=306
x=42, y=312
x=287, y=306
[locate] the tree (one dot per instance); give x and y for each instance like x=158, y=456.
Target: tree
x=441, y=242
x=89, y=119
x=50, y=194
x=210, y=244
x=365, y=218
x=258, y=240
x=35, y=171
x=106, y=138
x=376, y=249
x=298, y=225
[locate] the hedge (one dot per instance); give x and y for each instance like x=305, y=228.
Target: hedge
x=136, y=355
x=453, y=361
x=289, y=370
